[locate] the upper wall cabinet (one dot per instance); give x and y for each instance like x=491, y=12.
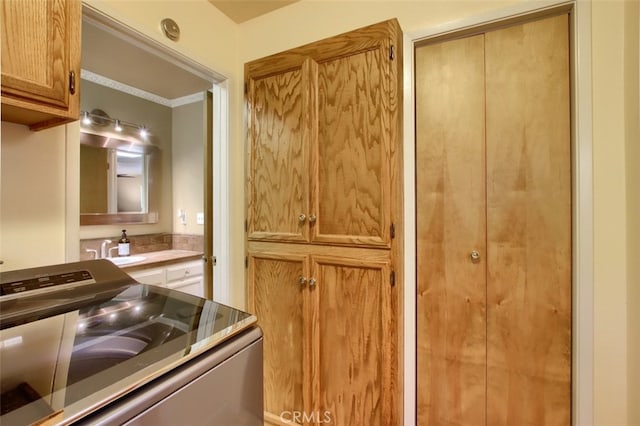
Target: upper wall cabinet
x=324, y=129
x=40, y=61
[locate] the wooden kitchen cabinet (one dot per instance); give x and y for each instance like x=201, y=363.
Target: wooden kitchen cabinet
x=327, y=321
x=324, y=140
x=324, y=226
x=279, y=298
x=40, y=61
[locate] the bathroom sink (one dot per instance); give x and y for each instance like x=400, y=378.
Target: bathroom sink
x=126, y=260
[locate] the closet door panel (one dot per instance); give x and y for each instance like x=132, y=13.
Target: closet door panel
x=528, y=224
x=450, y=168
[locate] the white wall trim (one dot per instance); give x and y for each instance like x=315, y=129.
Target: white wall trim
x=142, y=94
x=185, y=100
x=221, y=226
x=583, y=277
x=583, y=327
x=410, y=283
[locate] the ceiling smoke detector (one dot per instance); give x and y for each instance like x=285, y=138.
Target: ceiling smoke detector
x=170, y=29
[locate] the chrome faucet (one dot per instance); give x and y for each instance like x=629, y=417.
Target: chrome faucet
x=103, y=249
x=95, y=252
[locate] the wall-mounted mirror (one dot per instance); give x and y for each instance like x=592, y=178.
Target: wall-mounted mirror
x=114, y=164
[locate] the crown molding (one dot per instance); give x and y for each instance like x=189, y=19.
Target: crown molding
x=134, y=91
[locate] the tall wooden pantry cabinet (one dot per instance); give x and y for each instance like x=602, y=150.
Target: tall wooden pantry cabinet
x=493, y=152
x=324, y=211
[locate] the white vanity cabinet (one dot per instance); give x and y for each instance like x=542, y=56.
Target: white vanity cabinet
x=187, y=277
x=155, y=276
x=183, y=276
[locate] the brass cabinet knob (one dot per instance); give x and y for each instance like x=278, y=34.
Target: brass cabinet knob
x=302, y=217
x=475, y=256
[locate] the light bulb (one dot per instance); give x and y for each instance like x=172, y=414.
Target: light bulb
x=85, y=118
x=143, y=132
x=118, y=127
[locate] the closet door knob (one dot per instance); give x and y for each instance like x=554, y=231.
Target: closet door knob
x=475, y=256
x=302, y=217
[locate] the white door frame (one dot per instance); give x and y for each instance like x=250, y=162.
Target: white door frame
x=582, y=175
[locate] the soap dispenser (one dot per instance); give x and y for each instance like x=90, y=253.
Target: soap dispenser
x=123, y=244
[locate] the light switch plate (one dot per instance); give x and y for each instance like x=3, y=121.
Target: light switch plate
x=200, y=218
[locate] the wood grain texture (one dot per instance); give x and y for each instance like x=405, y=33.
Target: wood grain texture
x=35, y=54
x=279, y=169
x=353, y=353
x=529, y=224
x=358, y=89
x=450, y=202
x=354, y=126
x=353, y=184
x=40, y=46
x=278, y=300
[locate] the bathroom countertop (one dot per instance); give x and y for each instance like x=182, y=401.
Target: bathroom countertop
x=161, y=258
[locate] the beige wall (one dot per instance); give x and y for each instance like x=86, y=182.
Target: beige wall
x=311, y=20
x=32, y=196
x=613, y=278
x=632, y=136
x=187, y=165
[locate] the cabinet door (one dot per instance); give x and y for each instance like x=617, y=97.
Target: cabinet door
x=353, y=352
x=277, y=296
x=40, y=50
x=192, y=285
x=278, y=179
x=352, y=181
x=154, y=276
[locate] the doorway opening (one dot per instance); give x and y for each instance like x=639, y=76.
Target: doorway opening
x=192, y=175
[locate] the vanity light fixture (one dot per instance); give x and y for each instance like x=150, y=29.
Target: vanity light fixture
x=99, y=119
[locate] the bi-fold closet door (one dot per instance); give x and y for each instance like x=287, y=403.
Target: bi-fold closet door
x=493, y=179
